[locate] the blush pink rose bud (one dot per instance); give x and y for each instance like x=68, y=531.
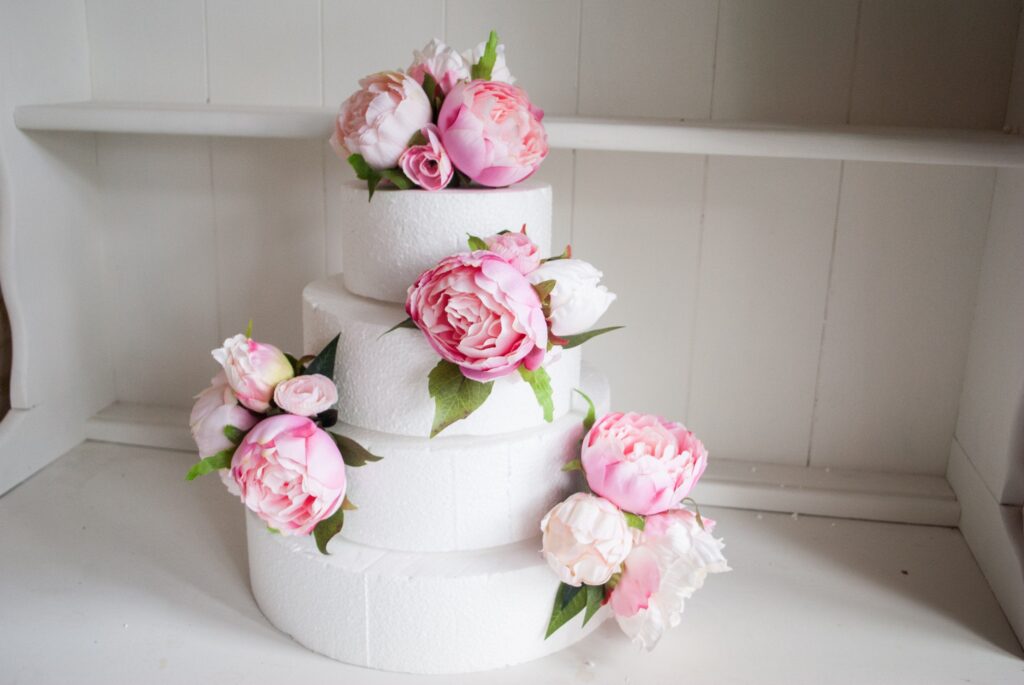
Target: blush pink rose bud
x=585, y=539
x=579, y=299
x=517, y=249
x=427, y=165
x=478, y=312
x=642, y=463
x=306, y=395
x=666, y=567
x=253, y=370
x=290, y=473
x=492, y=132
x=378, y=120
x=443, y=63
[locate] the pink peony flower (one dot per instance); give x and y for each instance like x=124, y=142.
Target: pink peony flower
x=642, y=463
x=428, y=165
x=669, y=563
x=517, y=249
x=253, y=370
x=378, y=120
x=445, y=64
x=290, y=473
x=306, y=395
x=492, y=132
x=478, y=312
x=585, y=539
x=215, y=409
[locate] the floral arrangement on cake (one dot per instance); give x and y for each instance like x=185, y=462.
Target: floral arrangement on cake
x=262, y=425
x=631, y=542
x=450, y=119
x=500, y=309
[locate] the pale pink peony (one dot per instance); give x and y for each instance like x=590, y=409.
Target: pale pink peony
x=585, y=540
x=378, y=120
x=214, y=410
x=642, y=463
x=253, y=370
x=669, y=563
x=427, y=165
x=492, y=132
x=290, y=473
x=306, y=395
x=444, y=63
x=478, y=312
x=517, y=249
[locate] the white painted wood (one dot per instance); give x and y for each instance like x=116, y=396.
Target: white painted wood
x=361, y=38
x=147, y=51
x=558, y=170
x=336, y=173
x=637, y=217
x=858, y=143
x=541, y=43
x=647, y=58
x=908, y=252
x=784, y=60
x=145, y=425
x=934, y=62
x=264, y=52
x=269, y=208
x=765, y=251
x=991, y=422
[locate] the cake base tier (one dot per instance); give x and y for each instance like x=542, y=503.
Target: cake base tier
x=414, y=613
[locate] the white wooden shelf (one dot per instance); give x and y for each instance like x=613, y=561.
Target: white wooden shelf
x=856, y=143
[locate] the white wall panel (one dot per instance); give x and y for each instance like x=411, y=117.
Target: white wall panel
x=336, y=172
x=934, y=62
x=637, y=218
x=647, y=58
x=767, y=241
x=908, y=249
x=784, y=60
x=269, y=208
x=147, y=51
x=541, y=40
x=264, y=52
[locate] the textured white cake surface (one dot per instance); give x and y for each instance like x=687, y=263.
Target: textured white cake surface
x=464, y=492
x=382, y=379
x=389, y=241
x=411, y=612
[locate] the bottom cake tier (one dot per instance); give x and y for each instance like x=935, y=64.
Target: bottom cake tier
x=411, y=612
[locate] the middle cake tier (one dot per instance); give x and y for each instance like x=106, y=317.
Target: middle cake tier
x=382, y=376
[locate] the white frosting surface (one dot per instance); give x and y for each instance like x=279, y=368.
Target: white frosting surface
x=389, y=241
x=464, y=492
x=409, y=612
x=382, y=379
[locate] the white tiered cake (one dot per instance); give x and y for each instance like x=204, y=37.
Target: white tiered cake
x=439, y=571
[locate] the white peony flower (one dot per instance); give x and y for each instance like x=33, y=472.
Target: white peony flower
x=500, y=71
x=579, y=299
x=585, y=539
x=442, y=62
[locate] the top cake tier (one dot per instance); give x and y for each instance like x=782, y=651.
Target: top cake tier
x=389, y=241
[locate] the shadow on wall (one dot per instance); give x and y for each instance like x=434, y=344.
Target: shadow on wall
x=5, y=360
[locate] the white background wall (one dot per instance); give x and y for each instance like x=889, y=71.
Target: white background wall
x=800, y=312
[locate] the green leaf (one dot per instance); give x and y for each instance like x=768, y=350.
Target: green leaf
x=328, y=528
x=591, y=417
x=296, y=364
x=352, y=452
x=574, y=465
x=634, y=521
x=407, y=323
x=371, y=185
x=323, y=363
x=540, y=381
x=569, y=601
x=248, y=330
x=347, y=504
x=476, y=243
x=233, y=434
x=566, y=254
x=364, y=172
x=221, y=460
x=397, y=178
x=595, y=597
x=273, y=531
x=455, y=396
x=543, y=290
x=482, y=69
x=572, y=341
x=696, y=511
x=431, y=89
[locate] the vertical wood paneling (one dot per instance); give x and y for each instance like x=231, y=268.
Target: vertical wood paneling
x=264, y=52
x=647, y=58
x=147, y=51
x=269, y=207
x=1015, y=106
x=541, y=43
x=934, y=62
x=908, y=249
x=765, y=253
x=637, y=218
x=784, y=60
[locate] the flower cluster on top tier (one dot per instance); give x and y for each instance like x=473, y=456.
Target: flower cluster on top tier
x=500, y=309
x=631, y=543
x=449, y=118
x=262, y=426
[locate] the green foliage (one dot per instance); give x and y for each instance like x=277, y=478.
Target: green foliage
x=323, y=363
x=591, y=417
x=634, y=521
x=455, y=396
x=569, y=601
x=221, y=460
x=482, y=69
x=476, y=243
x=352, y=452
x=328, y=528
x=540, y=382
x=572, y=341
